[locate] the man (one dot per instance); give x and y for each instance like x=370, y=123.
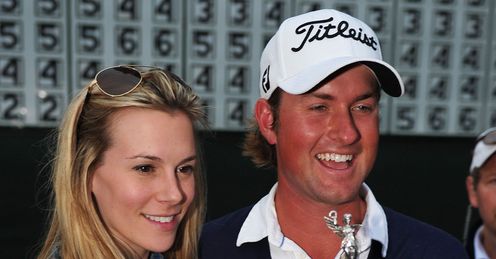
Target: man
x=317, y=122
x=481, y=189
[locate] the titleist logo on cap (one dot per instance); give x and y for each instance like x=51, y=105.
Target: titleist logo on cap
x=265, y=80
x=328, y=30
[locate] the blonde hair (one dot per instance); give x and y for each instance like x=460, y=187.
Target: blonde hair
x=76, y=230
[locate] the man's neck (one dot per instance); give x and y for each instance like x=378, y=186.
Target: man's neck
x=488, y=242
x=302, y=220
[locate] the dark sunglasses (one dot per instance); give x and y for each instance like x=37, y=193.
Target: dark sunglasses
x=123, y=79
x=488, y=137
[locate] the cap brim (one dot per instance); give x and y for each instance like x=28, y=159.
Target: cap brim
x=482, y=152
x=389, y=78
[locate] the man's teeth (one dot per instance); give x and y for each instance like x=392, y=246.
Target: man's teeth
x=334, y=157
x=160, y=219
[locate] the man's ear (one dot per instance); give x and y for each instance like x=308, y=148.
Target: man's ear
x=472, y=195
x=265, y=120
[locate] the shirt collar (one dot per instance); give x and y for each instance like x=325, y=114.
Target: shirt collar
x=262, y=221
x=375, y=222
x=479, y=250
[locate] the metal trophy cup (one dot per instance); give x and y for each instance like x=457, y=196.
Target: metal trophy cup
x=346, y=232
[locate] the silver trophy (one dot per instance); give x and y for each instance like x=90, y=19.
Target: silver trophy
x=346, y=232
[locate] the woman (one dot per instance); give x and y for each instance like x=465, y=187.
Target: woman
x=127, y=180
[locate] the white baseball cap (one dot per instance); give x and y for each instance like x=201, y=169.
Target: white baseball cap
x=485, y=147
x=309, y=47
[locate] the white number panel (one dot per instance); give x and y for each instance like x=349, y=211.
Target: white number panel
x=224, y=43
x=33, y=62
x=441, y=51
x=489, y=115
x=111, y=32
x=445, y=51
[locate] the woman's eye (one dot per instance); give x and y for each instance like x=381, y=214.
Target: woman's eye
x=185, y=169
x=144, y=168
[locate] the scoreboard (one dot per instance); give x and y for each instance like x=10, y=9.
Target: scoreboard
x=444, y=50
x=443, y=54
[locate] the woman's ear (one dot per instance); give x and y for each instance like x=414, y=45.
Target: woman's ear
x=265, y=120
x=471, y=192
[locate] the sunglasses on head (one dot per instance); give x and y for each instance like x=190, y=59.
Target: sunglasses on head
x=123, y=79
x=488, y=137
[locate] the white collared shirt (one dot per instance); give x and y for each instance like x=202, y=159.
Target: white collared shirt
x=262, y=222
x=479, y=251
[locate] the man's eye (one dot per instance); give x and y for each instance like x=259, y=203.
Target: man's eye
x=318, y=107
x=144, y=168
x=362, y=107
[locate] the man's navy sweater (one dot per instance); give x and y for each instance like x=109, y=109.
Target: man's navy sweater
x=408, y=238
